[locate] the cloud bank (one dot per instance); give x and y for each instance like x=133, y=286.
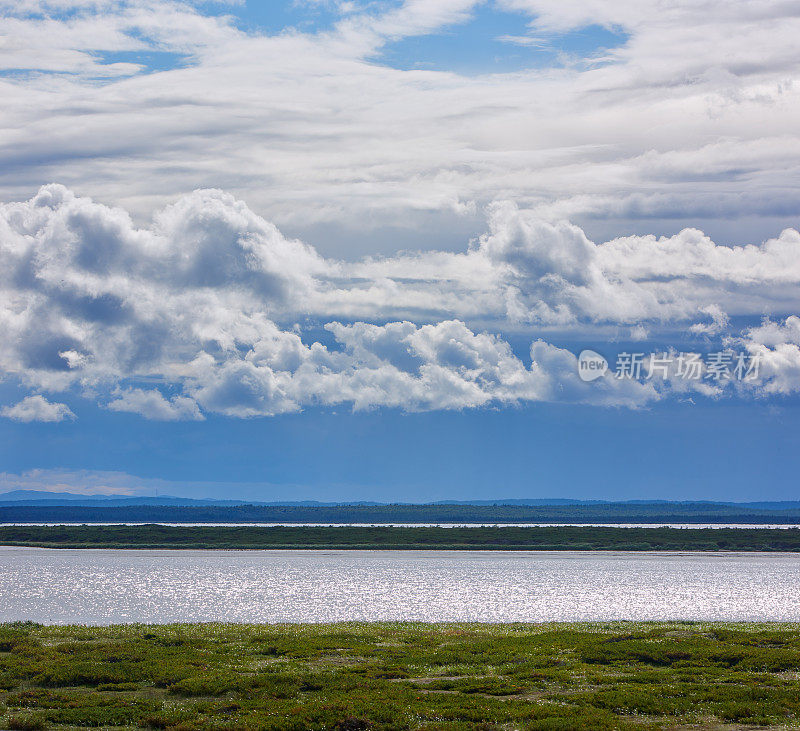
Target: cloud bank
x=692, y=116
x=200, y=312
x=81, y=482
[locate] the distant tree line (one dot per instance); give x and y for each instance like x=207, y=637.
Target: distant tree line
x=402, y=538
x=657, y=513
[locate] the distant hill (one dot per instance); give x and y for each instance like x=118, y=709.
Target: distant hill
x=34, y=498
x=40, y=497
x=16, y=495
x=16, y=498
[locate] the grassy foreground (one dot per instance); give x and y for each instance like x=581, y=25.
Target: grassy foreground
x=400, y=676
x=585, y=538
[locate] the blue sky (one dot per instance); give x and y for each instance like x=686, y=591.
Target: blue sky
x=353, y=250
x=729, y=451
x=488, y=40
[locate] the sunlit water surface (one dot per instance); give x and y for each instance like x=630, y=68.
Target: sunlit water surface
x=110, y=586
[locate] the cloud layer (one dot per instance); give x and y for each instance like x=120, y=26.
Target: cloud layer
x=199, y=313
x=694, y=116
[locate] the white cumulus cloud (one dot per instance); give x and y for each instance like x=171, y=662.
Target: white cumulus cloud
x=37, y=408
x=153, y=405
x=776, y=345
x=206, y=301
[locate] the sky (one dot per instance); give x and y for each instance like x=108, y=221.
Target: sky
x=400, y=250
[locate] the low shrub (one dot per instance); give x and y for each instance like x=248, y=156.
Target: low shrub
x=26, y=722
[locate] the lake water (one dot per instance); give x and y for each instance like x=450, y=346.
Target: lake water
x=110, y=586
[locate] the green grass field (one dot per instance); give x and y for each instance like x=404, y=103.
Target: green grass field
x=400, y=676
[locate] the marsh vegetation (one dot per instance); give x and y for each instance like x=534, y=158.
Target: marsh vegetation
x=400, y=676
